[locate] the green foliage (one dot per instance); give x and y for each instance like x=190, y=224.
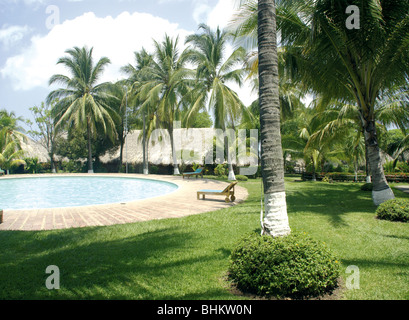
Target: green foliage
x=327, y=179
x=394, y=210
x=396, y=167
x=367, y=187
x=202, y=120
x=294, y=266
x=72, y=166
x=220, y=170
x=32, y=165
x=241, y=177
x=154, y=169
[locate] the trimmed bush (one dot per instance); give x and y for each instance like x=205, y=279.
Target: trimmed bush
x=241, y=178
x=394, y=210
x=294, y=266
x=367, y=187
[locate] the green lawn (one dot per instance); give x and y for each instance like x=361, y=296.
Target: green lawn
x=187, y=258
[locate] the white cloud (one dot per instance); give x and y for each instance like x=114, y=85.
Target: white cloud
x=201, y=11
x=222, y=13
x=12, y=35
x=116, y=38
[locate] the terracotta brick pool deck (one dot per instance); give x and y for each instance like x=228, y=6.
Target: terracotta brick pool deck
x=181, y=203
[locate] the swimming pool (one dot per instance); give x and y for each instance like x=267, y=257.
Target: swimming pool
x=61, y=192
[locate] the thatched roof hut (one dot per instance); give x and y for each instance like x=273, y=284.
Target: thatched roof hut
x=192, y=145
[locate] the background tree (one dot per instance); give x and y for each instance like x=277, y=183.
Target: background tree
x=45, y=132
x=82, y=102
x=144, y=110
x=11, y=154
x=350, y=65
x=126, y=120
x=214, y=73
x=9, y=124
x=11, y=136
x=165, y=82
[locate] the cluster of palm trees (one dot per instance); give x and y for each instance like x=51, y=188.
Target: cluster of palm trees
x=160, y=86
x=357, y=77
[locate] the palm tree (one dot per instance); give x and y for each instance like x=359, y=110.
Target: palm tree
x=301, y=139
x=9, y=125
x=120, y=90
x=214, y=72
x=11, y=136
x=276, y=219
x=82, y=102
x=143, y=108
x=165, y=82
x=353, y=66
x=11, y=153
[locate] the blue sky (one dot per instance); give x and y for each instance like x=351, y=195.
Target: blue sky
x=35, y=33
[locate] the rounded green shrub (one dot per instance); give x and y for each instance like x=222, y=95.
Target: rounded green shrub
x=241, y=177
x=294, y=266
x=394, y=210
x=367, y=187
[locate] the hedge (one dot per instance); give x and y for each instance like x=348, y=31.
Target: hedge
x=340, y=176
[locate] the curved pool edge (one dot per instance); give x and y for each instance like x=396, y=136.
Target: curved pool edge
x=179, y=203
x=114, y=176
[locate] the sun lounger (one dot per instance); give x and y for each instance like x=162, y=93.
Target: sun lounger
x=197, y=172
x=227, y=192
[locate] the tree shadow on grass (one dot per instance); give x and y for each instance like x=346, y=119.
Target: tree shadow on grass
x=333, y=201
x=379, y=264
x=134, y=266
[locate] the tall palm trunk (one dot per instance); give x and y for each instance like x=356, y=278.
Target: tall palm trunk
x=145, y=164
x=90, y=167
x=381, y=191
x=231, y=176
x=272, y=162
x=121, y=156
x=367, y=167
x=51, y=154
x=314, y=171
x=227, y=138
x=172, y=143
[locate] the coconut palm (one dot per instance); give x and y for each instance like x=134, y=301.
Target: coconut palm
x=9, y=124
x=214, y=75
x=339, y=119
x=11, y=136
x=301, y=138
x=11, y=153
x=120, y=91
x=165, y=83
x=353, y=66
x=82, y=102
x=143, y=109
x=276, y=220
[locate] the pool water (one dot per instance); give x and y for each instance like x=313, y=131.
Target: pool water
x=60, y=192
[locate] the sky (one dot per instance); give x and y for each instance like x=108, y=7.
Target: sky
x=34, y=34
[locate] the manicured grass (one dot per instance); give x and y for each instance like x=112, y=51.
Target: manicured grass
x=187, y=258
